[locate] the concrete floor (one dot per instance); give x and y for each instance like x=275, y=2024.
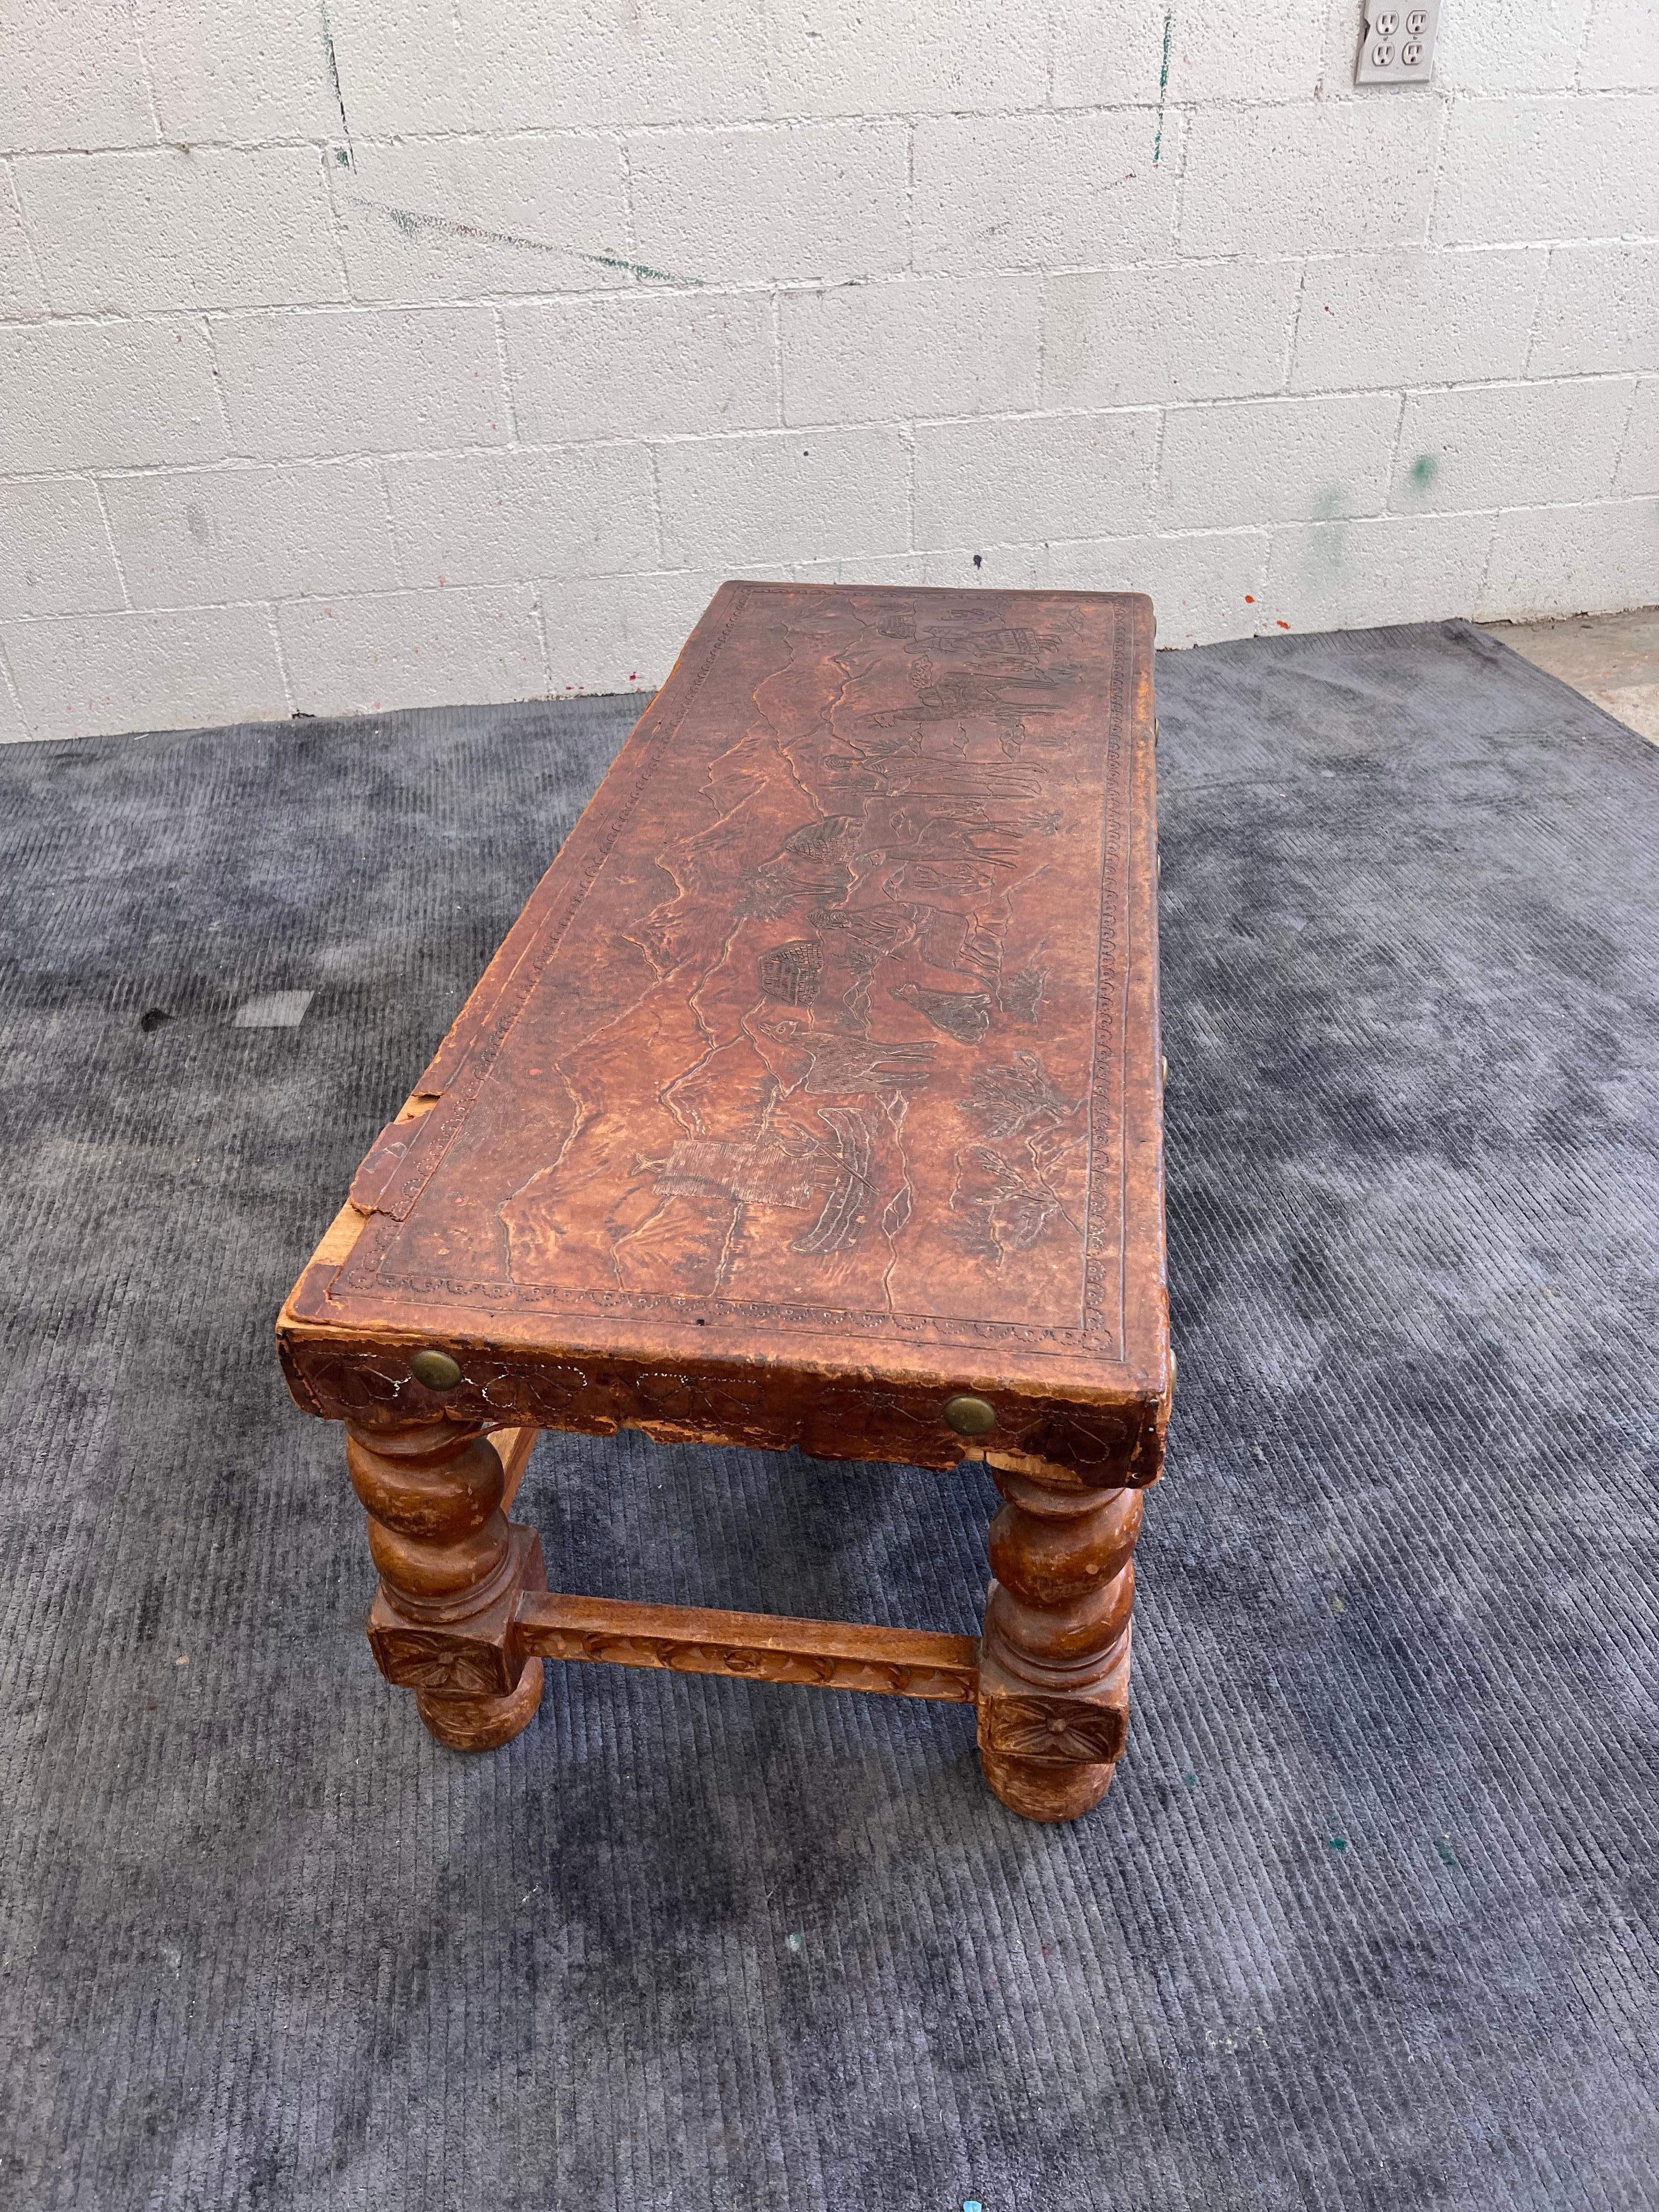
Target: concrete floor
x=1612, y=659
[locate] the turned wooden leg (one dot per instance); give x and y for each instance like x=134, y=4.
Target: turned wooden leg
x=1054, y=1685
x=452, y=1566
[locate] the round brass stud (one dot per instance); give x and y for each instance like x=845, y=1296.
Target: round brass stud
x=436, y=1370
x=969, y=1417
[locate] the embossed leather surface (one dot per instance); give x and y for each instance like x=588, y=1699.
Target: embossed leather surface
x=819, y=1077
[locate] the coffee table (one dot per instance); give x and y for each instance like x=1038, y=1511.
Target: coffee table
x=814, y=1101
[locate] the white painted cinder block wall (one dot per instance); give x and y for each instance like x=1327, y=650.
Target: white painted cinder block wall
x=395, y=351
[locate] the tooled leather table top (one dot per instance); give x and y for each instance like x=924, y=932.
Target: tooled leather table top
x=826, y=1049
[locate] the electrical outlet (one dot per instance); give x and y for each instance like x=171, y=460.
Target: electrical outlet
x=1398, y=47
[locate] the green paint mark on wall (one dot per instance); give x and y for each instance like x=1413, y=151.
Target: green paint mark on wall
x=1163, y=83
x=1424, y=469
x=333, y=66
x=639, y=269
x=413, y=224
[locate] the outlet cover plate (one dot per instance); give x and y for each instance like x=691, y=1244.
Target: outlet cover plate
x=1398, y=47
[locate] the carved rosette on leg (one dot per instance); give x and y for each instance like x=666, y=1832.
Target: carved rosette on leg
x=452, y=1567
x=1054, y=1685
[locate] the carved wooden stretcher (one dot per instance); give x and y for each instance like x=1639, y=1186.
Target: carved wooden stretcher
x=814, y=1099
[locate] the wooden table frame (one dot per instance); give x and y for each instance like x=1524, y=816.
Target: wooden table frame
x=442, y=1398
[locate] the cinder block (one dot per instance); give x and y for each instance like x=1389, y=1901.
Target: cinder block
x=1492, y=45
x=21, y=293
x=1567, y=167
x=868, y=352
x=1511, y=445
x=641, y=365
x=1029, y=192
x=70, y=75
x=1599, y=311
x=1382, y=568
x=622, y=62
x=1416, y=318
x=494, y=518
x=227, y=69
x=218, y=228
x=620, y=633
x=85, y=395
x=1572, y=560
x=399, y=67
x=92, y=676
x=13, y=730
x=805, y=202
x=1034, y=478
x=993, y=567
x=1219, y=51
x=1185, y=331
x=1623, y=45
x=54, y=550
x=842, y=58
x=901, y=569
x=1111, y=54
x=362, y=655
x=1329, y=176
x=203, y=535
x=355, y=381
x=1638, y=463
x=1276, y=461
x=463, y=218
x=791, y=496
x=1202, y=588
x=950, y=568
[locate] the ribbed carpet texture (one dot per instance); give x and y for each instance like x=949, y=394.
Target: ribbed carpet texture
x=1365, y=1920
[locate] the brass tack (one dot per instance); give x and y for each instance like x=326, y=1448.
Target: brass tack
x=436, y=1370
x=969, y=1417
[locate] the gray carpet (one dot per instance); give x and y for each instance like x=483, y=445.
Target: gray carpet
x=1366, y=1920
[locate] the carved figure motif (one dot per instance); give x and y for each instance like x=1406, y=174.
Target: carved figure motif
x=1015, y=1204
x=1008, y=1192
x=1007, y=1101
x=768, y=1169
x=842, y=1063
x=792, y=972
x=1022, y=994
x=846, y=1208
x=964, y=1015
